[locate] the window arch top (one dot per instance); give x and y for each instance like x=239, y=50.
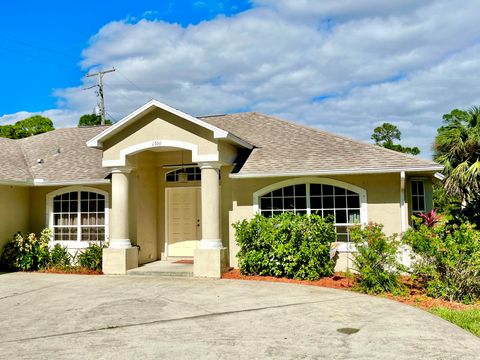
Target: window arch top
x=78, y=215
x=190, y=173
x=346, y=203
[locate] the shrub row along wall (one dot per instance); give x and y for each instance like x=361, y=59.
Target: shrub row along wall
x=287, y=245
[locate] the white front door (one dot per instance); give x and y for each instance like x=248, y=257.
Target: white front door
x=183, y=220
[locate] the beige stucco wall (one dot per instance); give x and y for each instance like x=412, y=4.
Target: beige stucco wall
x=14, y=211
x=143, y=206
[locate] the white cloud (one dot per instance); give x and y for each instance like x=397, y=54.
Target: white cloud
x=342, y=9
x=8, y=119
x=60, y=117
x=344, y=66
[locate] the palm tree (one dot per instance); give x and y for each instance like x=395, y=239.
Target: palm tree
x=457, y=147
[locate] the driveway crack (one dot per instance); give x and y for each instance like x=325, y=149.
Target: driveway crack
x=166, y=321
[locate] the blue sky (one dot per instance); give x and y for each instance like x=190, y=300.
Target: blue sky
x=344, y=66
x=66, y=27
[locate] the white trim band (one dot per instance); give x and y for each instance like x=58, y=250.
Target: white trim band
x=152, y=144
x=120, y=244
x=211, y=244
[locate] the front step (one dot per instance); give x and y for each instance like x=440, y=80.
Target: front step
x=163, y=268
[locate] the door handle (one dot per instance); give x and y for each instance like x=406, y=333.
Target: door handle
x=198, y=222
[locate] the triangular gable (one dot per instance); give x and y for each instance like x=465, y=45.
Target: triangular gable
x=97, y=141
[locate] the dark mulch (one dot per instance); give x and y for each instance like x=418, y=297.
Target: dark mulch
x=415, y=297
x=72, y=270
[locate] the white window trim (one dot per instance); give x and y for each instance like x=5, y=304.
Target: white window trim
x=78, y=244
x=424, y=208
x=324, y=181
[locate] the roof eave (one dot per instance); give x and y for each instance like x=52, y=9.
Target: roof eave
x=339, y=172
x=42, y=182
x=239, y=141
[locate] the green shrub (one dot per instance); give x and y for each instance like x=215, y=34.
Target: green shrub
x=376, y=260
x=60, y=257
x=286, y=245
x=8, y=258
x=27, y=252
x=91, y=257
x=447, y=260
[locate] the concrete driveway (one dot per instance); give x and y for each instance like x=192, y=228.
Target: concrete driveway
x=45, y=316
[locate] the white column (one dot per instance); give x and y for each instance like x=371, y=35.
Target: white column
x=210, y=206
x=119, y=233
x=403, y=209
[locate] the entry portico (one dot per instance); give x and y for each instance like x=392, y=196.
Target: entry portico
x=155, y=138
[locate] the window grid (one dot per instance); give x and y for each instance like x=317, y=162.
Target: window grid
x=193, y=174
x=69, y=207
x=319, y=199
x=418, y=196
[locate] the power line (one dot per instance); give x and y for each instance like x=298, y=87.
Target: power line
x=110, y=116
x=23, y=43
x=38, y=47
x=40, y=59
x=147, y=95
x=131, y=82
x=123, y=96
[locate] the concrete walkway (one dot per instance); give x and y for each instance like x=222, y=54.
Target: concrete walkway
x=46, y=316
x=164, y=268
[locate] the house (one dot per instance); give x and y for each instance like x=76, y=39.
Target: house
x=173, y=184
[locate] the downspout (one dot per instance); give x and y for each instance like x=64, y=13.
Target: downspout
x=402, y=202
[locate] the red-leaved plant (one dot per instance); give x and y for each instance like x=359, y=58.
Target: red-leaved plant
x=430, y=218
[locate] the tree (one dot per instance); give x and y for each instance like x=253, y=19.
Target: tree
x=33, y=125
x=7, y=131
x=91, y=120
x=27, y=127
x=385, y=134
x=457, y=148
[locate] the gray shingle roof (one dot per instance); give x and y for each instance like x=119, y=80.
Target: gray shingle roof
x=59, y=155
x=284, y=147
x=13, y=166
x=281, y=147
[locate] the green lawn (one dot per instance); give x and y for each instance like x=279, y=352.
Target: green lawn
x=467, y=319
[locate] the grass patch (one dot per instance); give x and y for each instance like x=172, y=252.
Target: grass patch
x=468, y=319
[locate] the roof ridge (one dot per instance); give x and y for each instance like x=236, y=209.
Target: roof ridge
x=24, y=157
x=36, y=136
x=230, y=132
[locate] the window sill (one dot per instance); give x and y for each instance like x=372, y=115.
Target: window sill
x=74, y=244
x=343, y=247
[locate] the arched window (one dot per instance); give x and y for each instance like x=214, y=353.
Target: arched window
x=185, y=174
x=192, y=173
x=345, y=202
x=78, y=215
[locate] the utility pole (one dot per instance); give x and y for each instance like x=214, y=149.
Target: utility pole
x=101, y=99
